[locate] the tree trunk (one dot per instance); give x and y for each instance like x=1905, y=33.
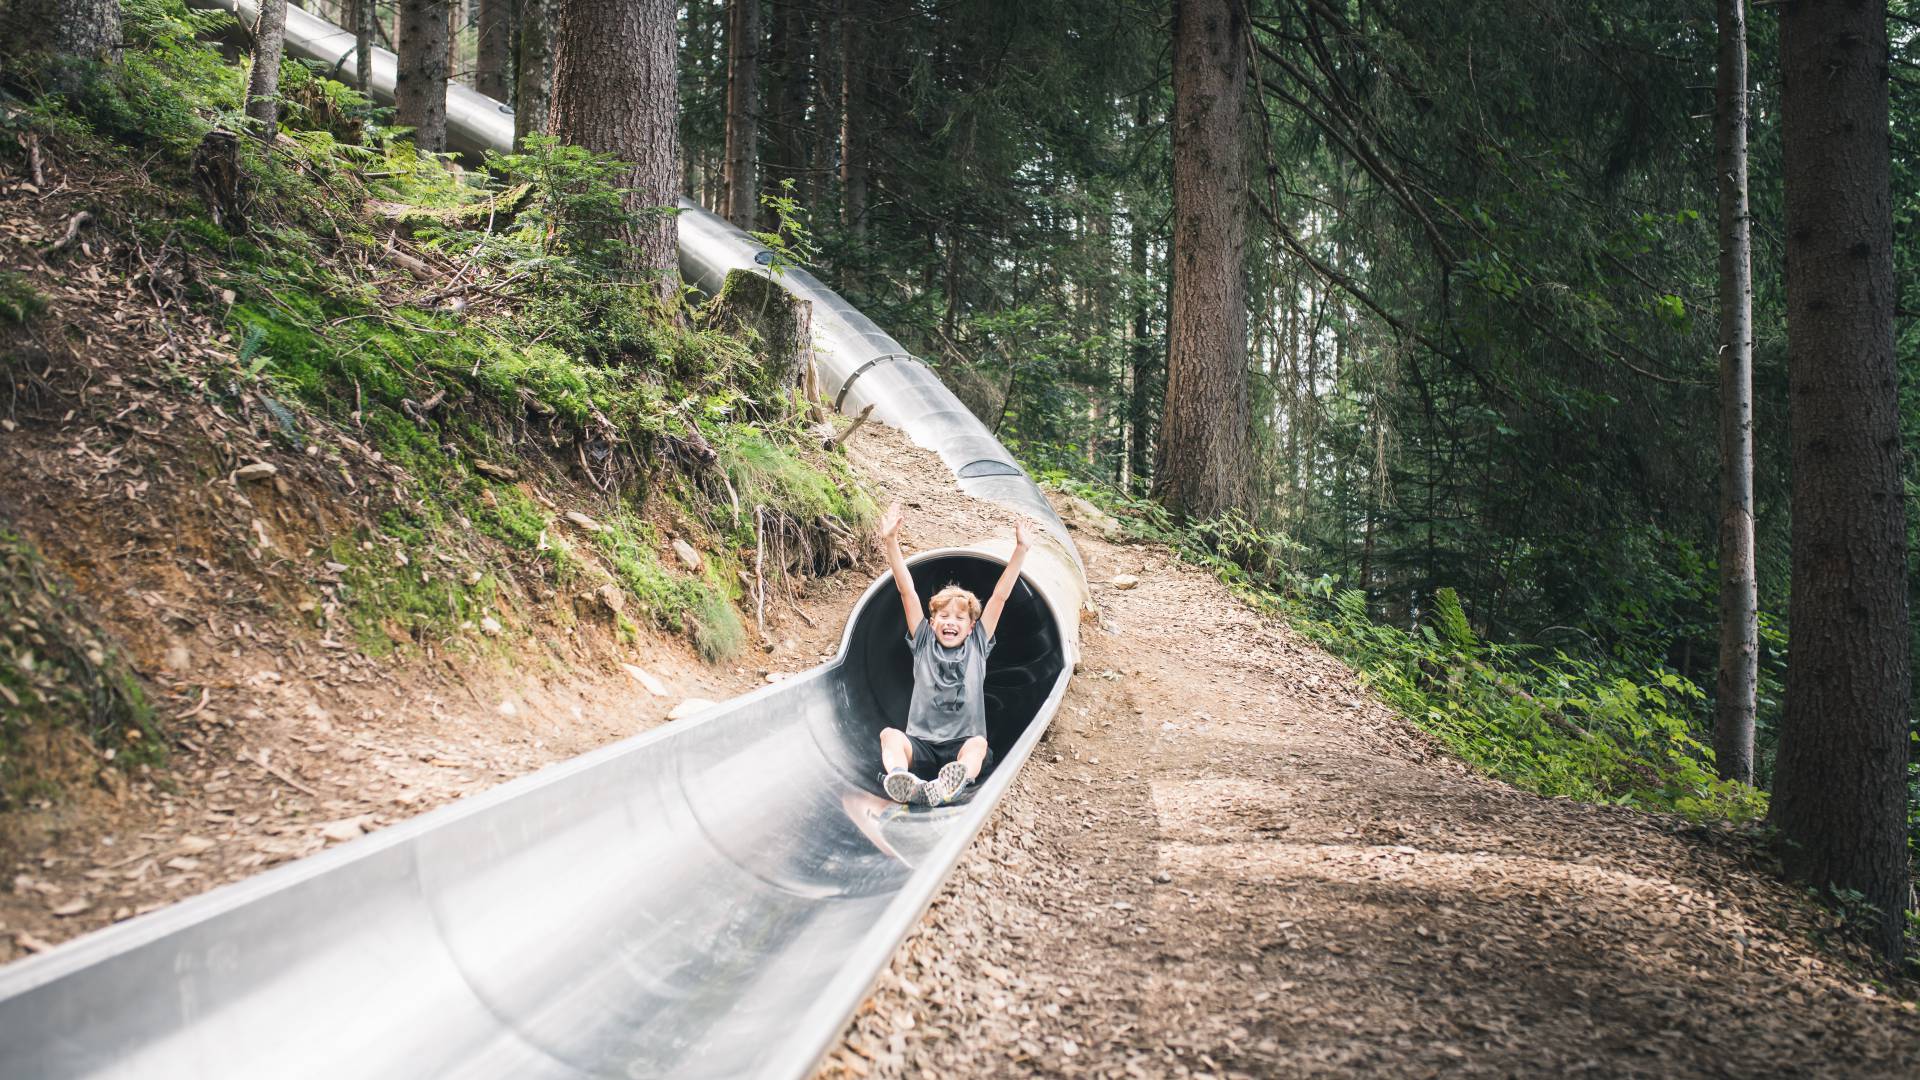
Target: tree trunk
x=743, y=112
x=1140, y=392
x=88, y=29
x=263, y=82
x=493, y=48
x=853, y=118
x=1202, y=465
x=420, y=86
x=790, y=60
x=615, y=92
x=533, y=70
x=69, y=29
x=363, y=34
x=1839, y=798
x=1739, y=598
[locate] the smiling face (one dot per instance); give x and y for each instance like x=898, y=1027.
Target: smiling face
x=952, y=622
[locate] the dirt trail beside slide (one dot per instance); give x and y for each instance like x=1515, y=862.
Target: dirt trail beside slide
x=1227, y=860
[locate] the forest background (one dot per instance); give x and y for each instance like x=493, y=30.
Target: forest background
x=1481, y=369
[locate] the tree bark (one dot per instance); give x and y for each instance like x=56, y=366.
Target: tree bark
x=1839, y=799
x=263, y=82
x=1739, y=676
x=853, y=118
x=1140, y=377
x=790, y=59
x=493, y=48
x=88, y=29
x=420, y=84
x=615, y=92
x=533, y=70
x=743, y=112
x=363, y=33
x=1201, y=468
x=69, y=29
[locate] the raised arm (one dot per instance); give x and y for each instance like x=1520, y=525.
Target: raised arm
x=890, y=539
x=990, y=617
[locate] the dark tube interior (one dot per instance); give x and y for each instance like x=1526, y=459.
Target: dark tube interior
x=1025, y=663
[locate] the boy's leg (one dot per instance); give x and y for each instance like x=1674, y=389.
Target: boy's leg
x=896, y=756
x=896, y=750
x=973, y=754
x=963, y=769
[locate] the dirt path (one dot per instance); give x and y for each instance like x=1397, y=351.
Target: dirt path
x=1227, y=860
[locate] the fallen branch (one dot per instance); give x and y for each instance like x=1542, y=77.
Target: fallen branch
x=836, y=442
x=260, y=759
x=759, y=580
x=74, y=225
x=32, y=141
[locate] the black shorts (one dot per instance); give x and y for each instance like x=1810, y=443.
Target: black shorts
x=928, y=756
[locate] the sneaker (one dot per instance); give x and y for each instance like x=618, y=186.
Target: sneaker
x=926, y=792
x=953, y=778
x=903, y=786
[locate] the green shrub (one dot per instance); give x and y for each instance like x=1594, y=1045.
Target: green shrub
x=1600, y=731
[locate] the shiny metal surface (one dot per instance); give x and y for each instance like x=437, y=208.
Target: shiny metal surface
x=709, y=899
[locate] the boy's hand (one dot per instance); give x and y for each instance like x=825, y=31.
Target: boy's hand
x=1022, y=539
x=890, y=522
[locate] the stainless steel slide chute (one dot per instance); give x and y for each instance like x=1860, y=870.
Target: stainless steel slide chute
x=709, y=899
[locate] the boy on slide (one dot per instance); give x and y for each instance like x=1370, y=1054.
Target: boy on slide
x=945, y=741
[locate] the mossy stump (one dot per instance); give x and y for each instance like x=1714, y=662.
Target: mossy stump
x=783, y=326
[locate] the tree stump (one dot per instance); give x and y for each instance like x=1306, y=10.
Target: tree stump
x=782, y=328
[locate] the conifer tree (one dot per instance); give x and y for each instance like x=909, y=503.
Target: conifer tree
x=1839, y=798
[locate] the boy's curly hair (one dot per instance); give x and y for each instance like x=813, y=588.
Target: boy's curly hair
x=954, y=593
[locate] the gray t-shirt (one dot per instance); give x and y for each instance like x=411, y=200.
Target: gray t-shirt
x=947, y=701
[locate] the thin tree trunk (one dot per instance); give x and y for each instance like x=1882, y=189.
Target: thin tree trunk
x=420, y=87
x=1739, y=675
x=263, y=82
x=363, y=33
x=743, y=112
x=615, y=92
x=791, y=45
x=1140, y=392
x=456, y=18
x=853, y=118
x=493, y=48
x=1839, y=799
x=533, y=70
x=1202, y=466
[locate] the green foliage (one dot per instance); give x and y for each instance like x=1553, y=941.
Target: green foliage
x=58, y=672
x=766, y=471
x=558, y=363
x=789, y=242
x=395, y=597
x=1600, y=731
x=699, y=605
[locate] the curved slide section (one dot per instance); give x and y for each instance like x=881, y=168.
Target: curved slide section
x=709, y=899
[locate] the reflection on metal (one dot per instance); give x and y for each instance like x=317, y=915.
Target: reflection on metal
x=709, y=899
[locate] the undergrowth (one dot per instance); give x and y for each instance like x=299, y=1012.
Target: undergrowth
x=58, y=675
x=479, y=329
x=1540, y=719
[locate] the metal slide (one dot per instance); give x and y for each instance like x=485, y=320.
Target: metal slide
x=709, y=899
